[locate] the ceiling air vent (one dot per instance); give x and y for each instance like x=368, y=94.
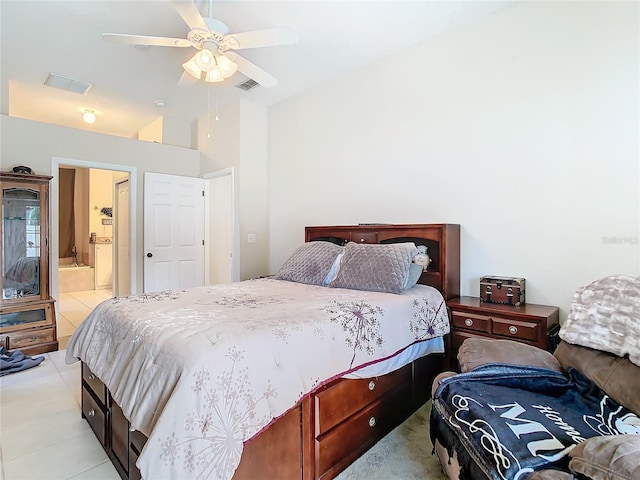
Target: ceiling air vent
x=69, y=84
x=248, y=85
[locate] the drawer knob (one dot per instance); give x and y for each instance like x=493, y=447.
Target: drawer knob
x=372, y=422
x=513, y=330
x=92, y=377
x=468, y=322
x=372, y=385
x=92, y=413
x=362, y=240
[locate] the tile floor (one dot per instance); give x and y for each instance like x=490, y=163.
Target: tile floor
x=42, y=433
x=74, y=308
x=43, y=436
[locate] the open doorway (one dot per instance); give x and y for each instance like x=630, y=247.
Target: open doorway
x=91, y=231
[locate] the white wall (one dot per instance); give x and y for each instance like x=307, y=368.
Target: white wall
x=25, y=142
x=239, y=140
x=522, y=127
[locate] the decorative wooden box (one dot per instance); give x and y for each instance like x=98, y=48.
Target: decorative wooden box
x=504, y=290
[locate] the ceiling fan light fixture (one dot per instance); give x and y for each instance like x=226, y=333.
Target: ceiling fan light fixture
x=214, y=76
x=205, y=60
x=226, y=66
x=192, y=68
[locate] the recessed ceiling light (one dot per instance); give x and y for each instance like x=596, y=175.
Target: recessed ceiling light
x=160, y=103
x=89, y=116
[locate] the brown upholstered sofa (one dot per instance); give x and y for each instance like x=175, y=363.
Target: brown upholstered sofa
x=605, y=315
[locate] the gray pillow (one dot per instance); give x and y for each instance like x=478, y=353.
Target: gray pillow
x=375, y=267
x=310, y=263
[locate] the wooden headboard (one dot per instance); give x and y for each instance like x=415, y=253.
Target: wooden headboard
x=441, y=239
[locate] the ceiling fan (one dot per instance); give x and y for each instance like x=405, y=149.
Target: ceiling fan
x=216, y=58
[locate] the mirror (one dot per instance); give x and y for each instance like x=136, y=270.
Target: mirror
x=20, y=242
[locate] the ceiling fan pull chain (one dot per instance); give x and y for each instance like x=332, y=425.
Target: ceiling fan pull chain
x=209, y=111
x=217, y=102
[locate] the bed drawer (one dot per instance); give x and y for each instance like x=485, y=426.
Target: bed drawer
x=516, y=329
x=95, y=385
x=471, y=321
x=346, y=397
x=95, y=416
x=360, y=432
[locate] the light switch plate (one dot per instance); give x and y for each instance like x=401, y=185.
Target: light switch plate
x=251, y=238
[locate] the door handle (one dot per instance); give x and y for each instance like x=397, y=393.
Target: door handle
x=149, y=254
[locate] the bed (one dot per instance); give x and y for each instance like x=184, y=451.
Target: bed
x=275, y=377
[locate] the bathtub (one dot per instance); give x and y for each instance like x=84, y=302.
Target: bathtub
x=75, y=278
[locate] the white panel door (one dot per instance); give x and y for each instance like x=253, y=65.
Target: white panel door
x=173, y=232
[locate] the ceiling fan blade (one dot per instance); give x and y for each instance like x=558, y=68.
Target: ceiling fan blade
x=255, y=72
x=261, y=38
x=190, y=14
x=145, y=40
x=187, y=80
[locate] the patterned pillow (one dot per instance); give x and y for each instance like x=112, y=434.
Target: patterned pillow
x=375, y=267
x=310, y=263
x=605, y=315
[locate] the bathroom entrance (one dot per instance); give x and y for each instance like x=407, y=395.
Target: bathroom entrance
x=93, y=238
x=86, y=228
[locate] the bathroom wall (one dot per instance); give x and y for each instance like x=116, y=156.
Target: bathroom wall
x=100, y=196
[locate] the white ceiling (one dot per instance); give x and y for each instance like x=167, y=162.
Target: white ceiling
x=64, y=37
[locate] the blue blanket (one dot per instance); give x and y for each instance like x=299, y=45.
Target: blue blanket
x=506, y=421
x=11, y=362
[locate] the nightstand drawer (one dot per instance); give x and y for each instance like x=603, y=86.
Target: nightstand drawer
x=471, y=321
x=515, y=329
x=529, y=323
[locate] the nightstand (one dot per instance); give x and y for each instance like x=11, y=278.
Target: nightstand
x=529, y=323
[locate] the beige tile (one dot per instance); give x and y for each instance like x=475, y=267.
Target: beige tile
x=73, y=382
x=76, y=317
x=70, y=304
x=64, y=327
x=104, y=471
x=41, y=431
x=81, y=452
x=63, y=342
x=58, y=359
x=73, y=306
x=104, y=293
x=89, y=298
x=29, y=395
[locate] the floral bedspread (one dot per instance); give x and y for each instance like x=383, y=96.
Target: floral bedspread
x=200, y=371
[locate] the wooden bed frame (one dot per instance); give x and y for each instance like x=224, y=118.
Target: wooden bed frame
x=336, y=423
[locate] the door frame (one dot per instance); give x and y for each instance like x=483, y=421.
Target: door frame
x=116, y=240
x=235, y=240
x=56, y=163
